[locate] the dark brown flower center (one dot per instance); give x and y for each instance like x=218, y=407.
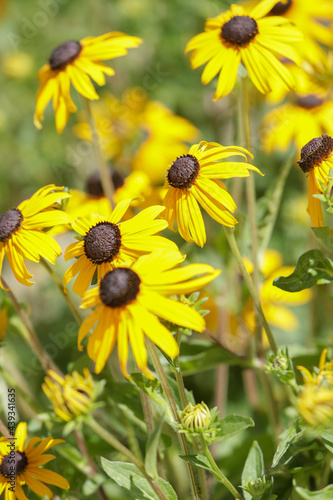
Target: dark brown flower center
x=10, y=221
x=94, y=183
x=102, y=242
x=64, y=54
x=315, y=152
x=183, y=172
x=309, y=101
x=13, y=463
x=240, y=30
x=280, y=8
x=119, y=287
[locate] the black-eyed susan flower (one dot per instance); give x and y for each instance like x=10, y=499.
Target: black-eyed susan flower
x=274, y=301
x=71, y=396
x=322, y=375
x=310, y=115
x=193, y=179
x=22, y=232
x=240, y=36
x=20, y=465
x=106, y=241
x=316, y=161
x=129, y=298
x=77, y=63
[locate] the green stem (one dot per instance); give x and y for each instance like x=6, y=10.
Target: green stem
x=43, y=357
x=107, y=184
x=184, y=401
x=67, y=298
x=117, y=445
x=251, y=200
x=249, y=283
x=274, y=195
x=217, y=473
x=174, y=411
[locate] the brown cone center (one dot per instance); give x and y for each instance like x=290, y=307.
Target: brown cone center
x=280, y=8
x=183, y=172
x=309, y=101
x=10, y=221
x=102, y=242
x=13, y=463
x=64, y=54
x=315, y=152
x=119, y=287
x=94, y=183
x=240, y=30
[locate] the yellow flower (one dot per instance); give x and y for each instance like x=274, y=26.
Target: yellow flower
x=26, y=460
x=106, y=241
x=316, y=161
x=71, y=396
x=323, y=375
x=128, y=299
x=273, y=299
x=315, y=405
x=117, y=121
x=309, y=116
x=237, y=36
x=77, y=63
x=194, y=178
x=22, y=235
x=166, y=137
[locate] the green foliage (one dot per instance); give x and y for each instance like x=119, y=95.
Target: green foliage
x=324, y=494
x=312, y=268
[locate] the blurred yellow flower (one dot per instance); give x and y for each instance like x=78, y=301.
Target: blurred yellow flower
x=316, y=161
x=166, y=135
x=77, y=63
x=18, y=65
x=71, y=396
x=239, y=35
x=309, y=116
x=275, y=301
x=322, y=375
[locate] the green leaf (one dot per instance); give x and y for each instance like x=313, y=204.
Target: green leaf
x=327, y=440
x=153, y=389
x=200, y=461
x=151, y=450
x=130, y=478
x=253, y=468
x=325, y=494
x=231, y=425
x=208, y=358
x=325, y=236
x=91, y=485
x=294, y=441
x=312, y=268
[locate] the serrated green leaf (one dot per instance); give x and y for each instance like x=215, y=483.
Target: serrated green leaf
x=253, y=468
x=151, y=450
x=312, y=268
x=294, y=441
x=231, y=425
x=325, y=494
x=199, y=461
x=210, y=357
x=129, y=477
x=153, y=389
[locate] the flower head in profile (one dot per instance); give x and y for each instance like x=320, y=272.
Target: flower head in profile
x=27, y=460
x=71, y=395
x=22, y=232
x=309, y=116
x=193, y=179
x=129, y=298
x=316, y=161
x=238, y=36
x=77, y=63
x=106, y=241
